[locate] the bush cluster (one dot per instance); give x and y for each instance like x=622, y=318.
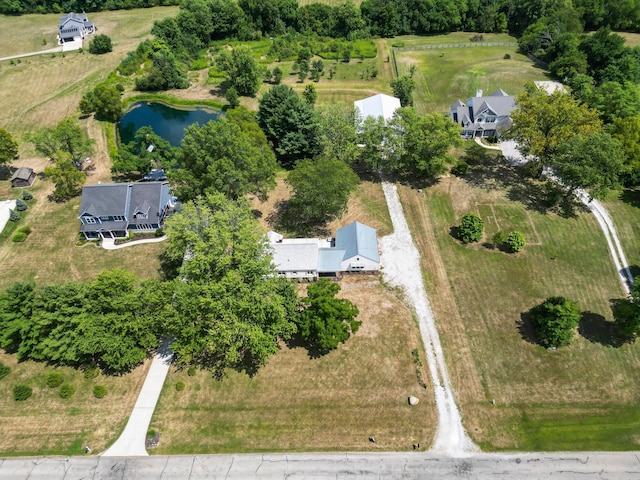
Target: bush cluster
x=91, y=372
x=99, y=391
x=14, y=216
x=21, y=205
x=180, y=386
x=4, y=370
x=26, y=195
x=54, y=379
x=21, y=392
x=191, y=371
x=67, y=390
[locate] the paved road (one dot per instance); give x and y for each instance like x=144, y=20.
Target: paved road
x=131, y=441
x=556, y=466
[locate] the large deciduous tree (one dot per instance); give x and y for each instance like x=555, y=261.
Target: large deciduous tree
x=240, y=69
x=222, y=157
x=67, y=136
x=105, y=100
x=147, y=150
x=627, y=314
x=100, y=44
x=595, y=163
x=327, y=321
x=66, y=177
x=422, y=143
x=321, y=189
x=543, y=122
x=555, y=321
x=627, y=132
x=290, y=124
x=8, y=148
x=403, y=88
x=229, y=306
x=338, y=132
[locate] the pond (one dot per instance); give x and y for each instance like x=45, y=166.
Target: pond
x=168, y=122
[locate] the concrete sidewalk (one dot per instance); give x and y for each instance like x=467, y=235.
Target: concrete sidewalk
x=110, y=244
x=131, y=442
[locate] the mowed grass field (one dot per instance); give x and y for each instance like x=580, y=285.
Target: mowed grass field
x=444, y=75
x=42, y=90
x=46, y=424
x=298, y=403
x=583, y=397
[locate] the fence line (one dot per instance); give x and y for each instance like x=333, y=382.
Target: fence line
x=458, y=45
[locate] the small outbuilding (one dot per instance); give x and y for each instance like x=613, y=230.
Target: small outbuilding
x=23, y=177
x=377, y=106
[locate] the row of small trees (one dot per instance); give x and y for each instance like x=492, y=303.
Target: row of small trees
x=471, y=229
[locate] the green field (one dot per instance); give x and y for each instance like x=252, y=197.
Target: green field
x=448, y=74
x=580, y=397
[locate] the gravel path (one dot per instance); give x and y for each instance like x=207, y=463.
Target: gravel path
x=401, y=267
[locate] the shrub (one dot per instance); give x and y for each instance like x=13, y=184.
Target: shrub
x=99, y=391
x=499, y=238
x=231, y=95
x=21, y=205
x=471, y=228
x=180, y=386
x=555, y=320
x=4, y=370
x=91, y=372
x=507, y=56
x=54, y=379
x=460, y=168
x=25, y=229
x=67, y=390
x=515, y=241
x=22, y=392
x=100, y=44
x=159, y=232
x=14, y=216
x=19, y=237
x=26, y=195
x=191, y=371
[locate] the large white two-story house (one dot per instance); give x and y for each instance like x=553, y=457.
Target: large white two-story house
x=483, y=116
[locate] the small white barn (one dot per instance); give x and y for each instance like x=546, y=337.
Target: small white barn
x=380, y=105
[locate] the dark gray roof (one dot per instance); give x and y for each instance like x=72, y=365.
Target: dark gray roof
x=105, y=199
x=499, y=93
x=23, y=173
x=501, y=106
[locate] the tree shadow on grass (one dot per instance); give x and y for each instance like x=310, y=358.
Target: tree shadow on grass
x=285, y=219
x=631, y=196
x=597, y=329
x=525, y=327
x=296, y=341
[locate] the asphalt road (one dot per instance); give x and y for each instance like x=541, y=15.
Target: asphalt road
x=411, y=465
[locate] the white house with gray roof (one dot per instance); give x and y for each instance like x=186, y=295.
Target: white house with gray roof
x=354, y=249
x=112, y=210
x=73, y=27
x=483, y=116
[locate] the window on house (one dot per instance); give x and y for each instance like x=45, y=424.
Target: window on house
x=89, y=220
x=118, y=218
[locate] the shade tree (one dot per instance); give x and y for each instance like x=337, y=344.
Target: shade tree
x=67, y=136
x=240, y=69
x=222, y=157
x=327, y=321
x=555, y=321
x=8, y=148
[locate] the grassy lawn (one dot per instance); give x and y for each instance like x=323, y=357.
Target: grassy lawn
x=298, y=403
x=47, y=88
x=446, y=75
x=577, y=398
x=46, y=424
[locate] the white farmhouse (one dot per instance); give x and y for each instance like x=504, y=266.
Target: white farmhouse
x=354, y=249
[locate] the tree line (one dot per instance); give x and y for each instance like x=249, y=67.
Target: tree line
x=19, y=7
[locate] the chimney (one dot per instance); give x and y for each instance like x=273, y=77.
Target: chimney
x=479, y=92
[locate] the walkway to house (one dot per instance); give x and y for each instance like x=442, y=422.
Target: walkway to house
x=110, y=243
x=131, y=442
x=57, y=49
x=401, y=261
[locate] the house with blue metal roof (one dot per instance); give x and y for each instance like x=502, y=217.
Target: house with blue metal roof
x=111, y=210
x=354, y=249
